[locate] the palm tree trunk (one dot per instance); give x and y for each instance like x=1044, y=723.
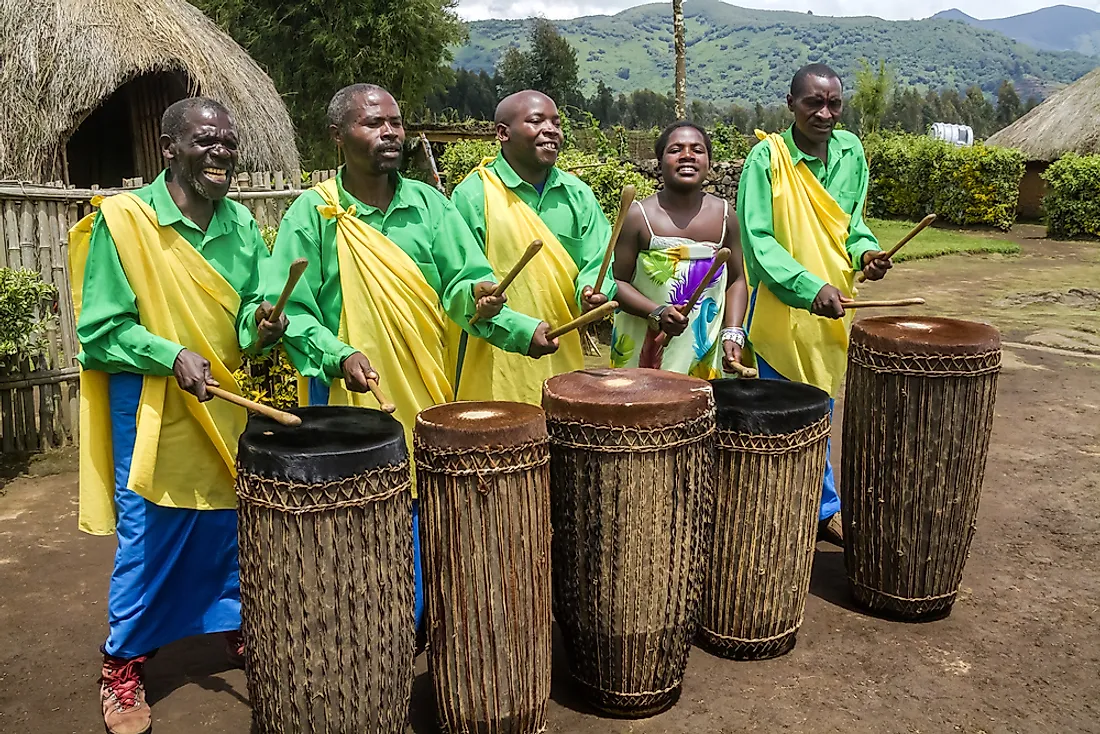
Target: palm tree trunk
x=681, y=64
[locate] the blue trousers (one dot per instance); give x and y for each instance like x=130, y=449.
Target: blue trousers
x=830, y=502
x=318, y=395
x=176, y=572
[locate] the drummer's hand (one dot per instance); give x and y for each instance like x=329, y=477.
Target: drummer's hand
x=540, y=345
x=192, y=373
x=673, y=322
x=487, y=304
x=269, y=332
x=732, y=355
x=357, y=371
x=591, y=299
x=829, y=302
x=874, y=268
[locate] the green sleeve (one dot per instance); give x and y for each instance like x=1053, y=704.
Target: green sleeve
x=110, y=333
x=766, y=260
x=860, y=238
x=252, y=290
x=595, y=232
x=313, y=349
x=461, y=264
x=469, y=198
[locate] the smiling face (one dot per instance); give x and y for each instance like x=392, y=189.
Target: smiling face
x=531, y=134
x=203, y=157
x=372, y=134
x=817, y=105
x=685, y=161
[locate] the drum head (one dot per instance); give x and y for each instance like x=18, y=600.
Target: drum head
x=925, y=336
x=480, y=425
x=768, y=407
x=642, y=398
x=333, y=443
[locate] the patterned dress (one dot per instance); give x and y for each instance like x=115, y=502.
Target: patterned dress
x=668, y=272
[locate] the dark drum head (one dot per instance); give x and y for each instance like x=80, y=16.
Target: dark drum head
x=332, y=444
x=635, y=397
x=480, y=425
x=768, y=407
x=925, y=335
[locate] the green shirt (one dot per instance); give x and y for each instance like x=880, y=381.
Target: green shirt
x=427, y=227
x=110, y=331
x=566, y=206
x=844, y=177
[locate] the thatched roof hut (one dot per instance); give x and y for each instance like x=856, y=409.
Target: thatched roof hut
x=1067, y=122
x=83, y=84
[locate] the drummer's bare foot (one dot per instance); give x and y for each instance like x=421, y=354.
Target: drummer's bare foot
x=831, y=530
x=122, y=693
x=234, y=648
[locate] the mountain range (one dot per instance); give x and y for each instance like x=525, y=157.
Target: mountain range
x=744, y=55
x=1057, y=28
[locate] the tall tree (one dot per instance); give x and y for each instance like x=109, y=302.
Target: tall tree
x=681, y=58
x=549, y=65
x=313, y=47
x=602, y=105
x=872, y=97
x=1009, y=107
x=978, y=112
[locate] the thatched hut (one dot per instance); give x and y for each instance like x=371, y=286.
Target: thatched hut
x=1066, y=122
x=83, y=84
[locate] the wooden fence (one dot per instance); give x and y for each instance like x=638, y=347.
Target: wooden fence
x=39, y=405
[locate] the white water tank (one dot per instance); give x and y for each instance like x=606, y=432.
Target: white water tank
x=955, y=134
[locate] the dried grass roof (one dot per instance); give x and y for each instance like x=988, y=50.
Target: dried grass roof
x=1066, y=122
x=60, y=59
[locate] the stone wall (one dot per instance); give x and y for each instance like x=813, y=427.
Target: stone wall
x=722, y=182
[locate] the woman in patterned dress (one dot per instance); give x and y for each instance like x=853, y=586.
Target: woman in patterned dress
x=667, y=245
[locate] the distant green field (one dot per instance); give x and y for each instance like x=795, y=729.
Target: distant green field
x=933, y=242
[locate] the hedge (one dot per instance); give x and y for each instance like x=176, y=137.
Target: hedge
x=1072, y=200
x=914, y=175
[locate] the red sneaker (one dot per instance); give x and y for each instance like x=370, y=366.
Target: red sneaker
x=122, y=692
x=234, y=648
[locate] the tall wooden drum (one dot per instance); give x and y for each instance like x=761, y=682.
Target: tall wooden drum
x=631, y=503
x=917, y=420
x=772, y=437
x=484, y=483
x=326, y=555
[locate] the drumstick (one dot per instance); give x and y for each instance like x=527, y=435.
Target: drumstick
x=624, y=206
x=296, y=269
x=287, y=419
x=884, y=304
x=902, y=242
x=532, y=250
x=594, y=315
x=720, y=258
x=383, y=401
x=743, y=371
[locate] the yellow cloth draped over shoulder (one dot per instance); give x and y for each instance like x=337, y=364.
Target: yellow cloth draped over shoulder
x=182, y=298
x=811, y=226
x=545, y=289
x=397, y=319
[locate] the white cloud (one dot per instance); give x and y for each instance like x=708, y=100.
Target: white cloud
x=892, y=9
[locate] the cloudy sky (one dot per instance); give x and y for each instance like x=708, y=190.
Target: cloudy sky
x=893, y=9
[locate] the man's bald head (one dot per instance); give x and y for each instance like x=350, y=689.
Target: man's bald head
x=529, y=132
x=517, y=105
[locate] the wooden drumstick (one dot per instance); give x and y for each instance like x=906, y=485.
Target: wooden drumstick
x=594, y=315
x=532, y=250
x=884, y=304
x=296, y=269
x=902, y=242
x=383, y=402
x=287, y=419
x=742, y=370
x=720, y=259
x=625, y=202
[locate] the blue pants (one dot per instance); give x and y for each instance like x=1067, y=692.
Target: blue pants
x=830, y=502
x=318, y=395
x=176, y=572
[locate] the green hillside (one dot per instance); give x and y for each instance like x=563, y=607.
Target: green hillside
x=748, y=56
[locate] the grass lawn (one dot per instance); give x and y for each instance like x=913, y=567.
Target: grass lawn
x=934, y=242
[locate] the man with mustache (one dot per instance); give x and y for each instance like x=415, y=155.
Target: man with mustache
x=390, y=263
x=800, y=205
x=509, y=201
x=167, y=292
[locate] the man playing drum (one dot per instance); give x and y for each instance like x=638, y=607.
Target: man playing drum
x=510, y=201
x=167, y=291
x=800, y=205
x=390, y=262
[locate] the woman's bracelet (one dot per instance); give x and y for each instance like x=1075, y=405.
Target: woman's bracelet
x=734, y=334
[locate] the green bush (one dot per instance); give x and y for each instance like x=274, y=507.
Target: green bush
x=1071, y=202
x=462, y=157
x=728, y=142
x=914, y=175
x=23, y=297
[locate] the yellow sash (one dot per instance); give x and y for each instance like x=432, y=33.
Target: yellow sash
x=182, y=298
x=811, y=226
x=395, y=318
x=544, y=289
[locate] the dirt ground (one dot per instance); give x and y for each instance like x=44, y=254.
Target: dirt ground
x=1020, y=652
